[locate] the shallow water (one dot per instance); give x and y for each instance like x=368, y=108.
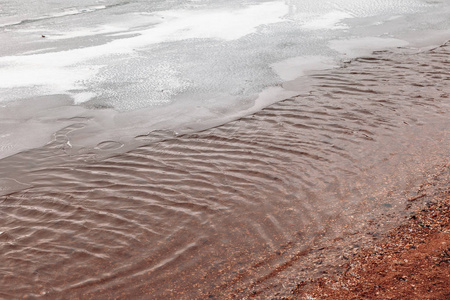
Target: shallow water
x=233, y=210
x=155, y=172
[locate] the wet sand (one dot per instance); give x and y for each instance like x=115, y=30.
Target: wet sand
x=249, y=208
x=411, y=262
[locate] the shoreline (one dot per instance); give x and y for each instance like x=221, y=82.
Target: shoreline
x=411, y=261
x=247, y=209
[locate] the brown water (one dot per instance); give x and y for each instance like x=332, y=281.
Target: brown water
x=238, y=210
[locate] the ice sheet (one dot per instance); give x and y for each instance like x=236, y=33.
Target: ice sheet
x=61, y=72
x=363, y=46
x=331, y=20
x=295, y=67
x=133, y=67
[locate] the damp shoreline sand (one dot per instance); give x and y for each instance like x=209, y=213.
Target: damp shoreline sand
x=411, y=261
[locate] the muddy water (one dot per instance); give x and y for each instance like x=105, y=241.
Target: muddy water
x=233, y=210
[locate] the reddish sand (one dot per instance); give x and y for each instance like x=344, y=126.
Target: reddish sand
x=411, y=262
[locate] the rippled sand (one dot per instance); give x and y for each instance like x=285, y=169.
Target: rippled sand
x=237, y=210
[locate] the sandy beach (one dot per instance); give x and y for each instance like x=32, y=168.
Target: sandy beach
x=253, y=208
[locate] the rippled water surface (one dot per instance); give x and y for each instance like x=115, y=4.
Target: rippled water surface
x=232, y=210
x=163, y=164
